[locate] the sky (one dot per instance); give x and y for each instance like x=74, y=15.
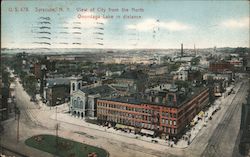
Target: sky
x=124, y=24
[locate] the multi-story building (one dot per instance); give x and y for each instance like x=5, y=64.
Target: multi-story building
x=156, y=70
x=182, y=75
x=220, y=66
x=83, y=98
x=37, y=70
x=162, y=113
x=56, y=91
x=131, y=81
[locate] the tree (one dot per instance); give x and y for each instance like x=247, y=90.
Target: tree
x=30, y=84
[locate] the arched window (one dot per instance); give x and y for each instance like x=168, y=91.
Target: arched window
x=81, y=104
x=78, y=102
x=79, y=85
x=73, y=86
x=75, y=104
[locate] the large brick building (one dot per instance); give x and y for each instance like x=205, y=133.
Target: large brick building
x=56, y=91
x=167, y=113
x=220, y=66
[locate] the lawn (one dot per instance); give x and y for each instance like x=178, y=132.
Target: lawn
x=65, y=147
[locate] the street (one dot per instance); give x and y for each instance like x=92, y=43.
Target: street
x=36, y=119
x=224, y=136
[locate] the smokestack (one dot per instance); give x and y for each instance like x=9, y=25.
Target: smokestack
x=195, y=52
x=181, y=50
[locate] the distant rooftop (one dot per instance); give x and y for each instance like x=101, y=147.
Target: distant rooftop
x=103, y=90
x=58, y=81
x=140, y=99
x=133, y=75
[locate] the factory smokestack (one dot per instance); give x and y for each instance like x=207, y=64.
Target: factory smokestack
x=181, y=50
x=195, y=52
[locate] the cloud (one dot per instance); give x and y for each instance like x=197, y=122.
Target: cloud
x=236, y=23
x=151, y=24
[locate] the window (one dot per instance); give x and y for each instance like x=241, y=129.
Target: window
x=79, y=85
x=75, y=104
x=81, y=104
x=73, y=86
x=173, y=131
x=174, y=123
x=163, y=121
x=149, y=126
x=78, y=102
x=170, y=122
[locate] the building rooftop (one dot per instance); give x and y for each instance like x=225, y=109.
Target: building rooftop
x=144, y=99
x=58, y=81
x=133, y=75
x=103, y=90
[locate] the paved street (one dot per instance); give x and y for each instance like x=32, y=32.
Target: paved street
x=222, y=141
x=36, y=119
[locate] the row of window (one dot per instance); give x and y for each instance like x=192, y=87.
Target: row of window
x=74, y=86
x=141, y=110
x=168, y=122
x=123, y=121
x=77, y=103
x=171, y=115
x=121, y=107
x=139, y=124
x=123, y=114
x=135, y=116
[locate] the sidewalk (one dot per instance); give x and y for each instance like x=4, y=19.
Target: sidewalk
x=197, y=129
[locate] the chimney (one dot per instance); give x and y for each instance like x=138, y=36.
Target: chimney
x=181, y=50
x=195, y=52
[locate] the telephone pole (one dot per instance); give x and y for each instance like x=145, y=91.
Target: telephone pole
x=18, y=119
x=57, y=128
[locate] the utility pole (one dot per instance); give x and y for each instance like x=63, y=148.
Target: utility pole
x=18, y=119
x=57, y=128
x=56, y=113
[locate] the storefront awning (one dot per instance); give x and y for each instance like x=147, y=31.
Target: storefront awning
x=149, y=132
x=201, y=114
x=120, y=126
x=131, y=128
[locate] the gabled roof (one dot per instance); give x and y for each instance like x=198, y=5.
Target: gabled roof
x=57, y=81
x=103, y=90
